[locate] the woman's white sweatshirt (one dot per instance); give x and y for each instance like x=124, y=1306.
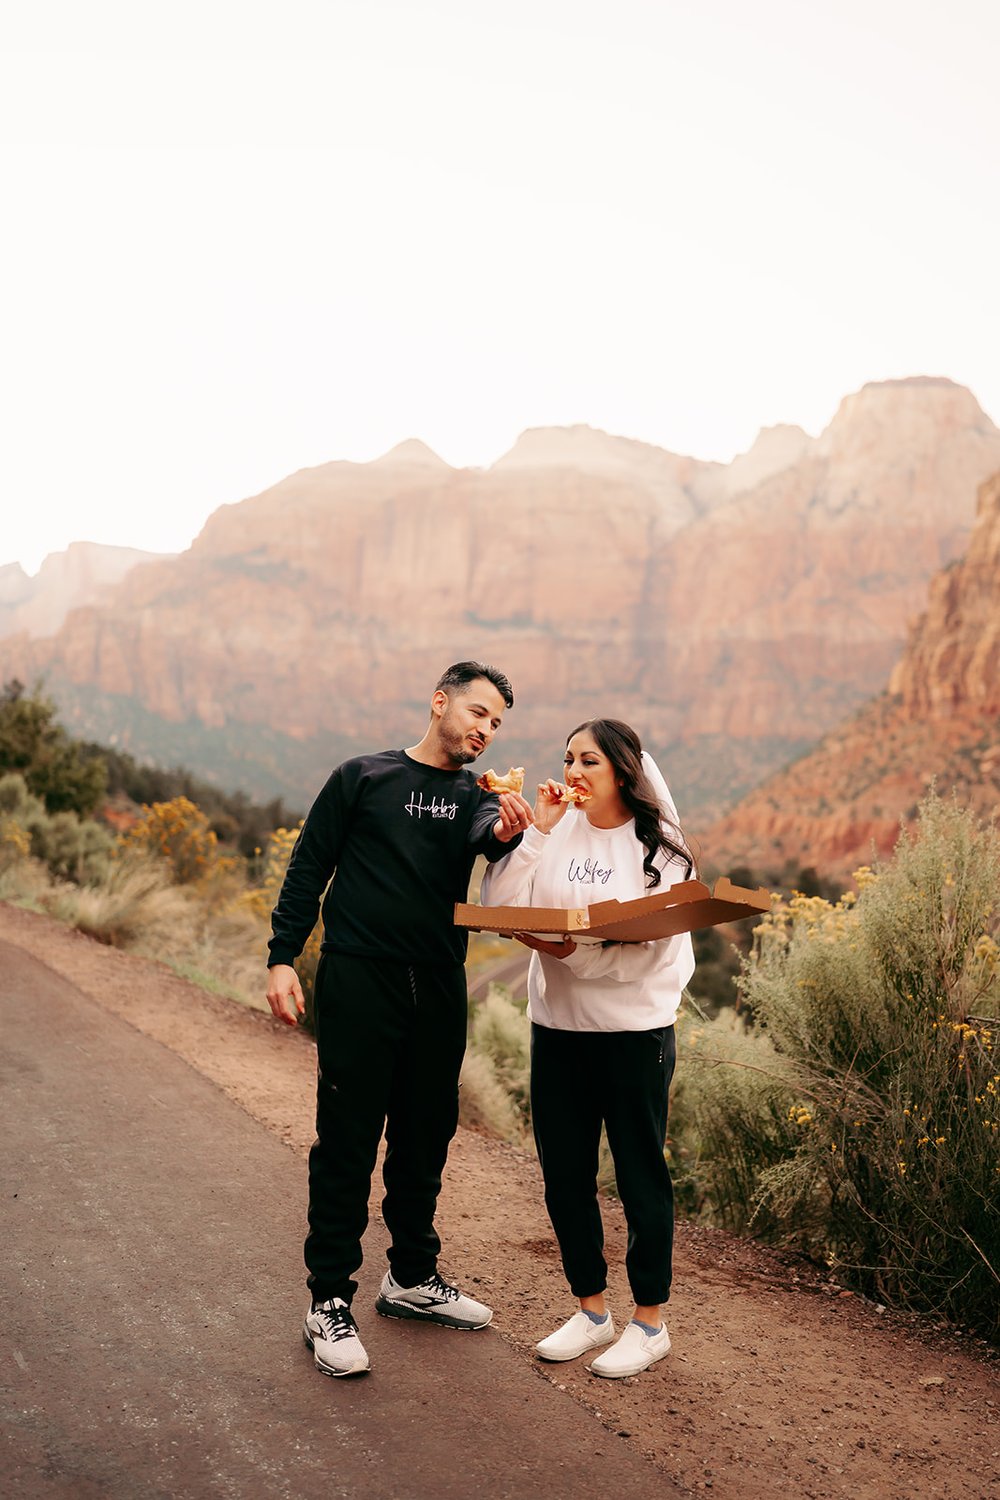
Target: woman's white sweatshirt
x=613, y=987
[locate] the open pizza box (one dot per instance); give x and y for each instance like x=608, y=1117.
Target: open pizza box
x=682, y=908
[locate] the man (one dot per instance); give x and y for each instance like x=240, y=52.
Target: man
x=401, y=829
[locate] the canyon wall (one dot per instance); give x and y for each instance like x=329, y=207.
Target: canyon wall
x=734, y=612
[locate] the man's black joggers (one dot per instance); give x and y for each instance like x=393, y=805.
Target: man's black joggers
x=580, y=1079
x=390, y=1039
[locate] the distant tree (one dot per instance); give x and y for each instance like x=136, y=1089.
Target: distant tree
x=53, y=765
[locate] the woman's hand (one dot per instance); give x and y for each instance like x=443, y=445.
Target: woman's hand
x=554, y=950
x=550, y=805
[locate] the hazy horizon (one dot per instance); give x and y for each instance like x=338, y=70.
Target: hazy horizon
x=246, y=242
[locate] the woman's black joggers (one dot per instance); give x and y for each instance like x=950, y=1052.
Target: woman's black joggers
x=580, y=1079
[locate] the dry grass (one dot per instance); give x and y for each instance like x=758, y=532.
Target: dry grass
x=134, y=906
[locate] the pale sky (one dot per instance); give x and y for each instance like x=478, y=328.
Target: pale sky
x=241, y=238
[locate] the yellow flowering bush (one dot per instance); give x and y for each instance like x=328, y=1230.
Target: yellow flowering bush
x=178, y=832
x=15, y=841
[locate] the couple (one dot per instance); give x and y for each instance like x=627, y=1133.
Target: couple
x=402, y=830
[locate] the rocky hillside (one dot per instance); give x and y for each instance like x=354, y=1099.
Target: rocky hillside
x=85, y=573
x=940, y=719
x=733, y=612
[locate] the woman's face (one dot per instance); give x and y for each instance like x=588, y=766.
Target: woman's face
x=588, y=767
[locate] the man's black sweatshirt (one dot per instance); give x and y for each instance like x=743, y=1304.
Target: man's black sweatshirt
x=402, y=838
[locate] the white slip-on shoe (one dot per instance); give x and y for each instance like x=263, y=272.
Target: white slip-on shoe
x=433, y=1301
x=577, y=1336
x=332, y=1334
x=636, y=1350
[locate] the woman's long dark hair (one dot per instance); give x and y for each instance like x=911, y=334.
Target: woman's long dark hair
x=622, y=746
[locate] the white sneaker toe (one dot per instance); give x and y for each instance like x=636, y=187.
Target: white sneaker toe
x=577, y=1336
x=331, y=1333
x=636, y=1350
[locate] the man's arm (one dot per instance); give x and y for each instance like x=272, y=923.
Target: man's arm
x=498, y=824
x=313, y=860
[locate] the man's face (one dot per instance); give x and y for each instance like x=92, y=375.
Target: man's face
x=469, y=718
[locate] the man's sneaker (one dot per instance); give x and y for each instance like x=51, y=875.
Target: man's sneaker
x=578, y=1336
x=636, y=1350
x=433, y=1301
x=332, y=1335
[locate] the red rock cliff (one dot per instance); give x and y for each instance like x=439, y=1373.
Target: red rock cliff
x=940, y=720
x=734, y=613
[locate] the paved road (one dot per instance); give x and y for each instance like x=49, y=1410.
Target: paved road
x=151, y=1300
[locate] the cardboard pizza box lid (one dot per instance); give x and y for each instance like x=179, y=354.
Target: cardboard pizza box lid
x=685, y=907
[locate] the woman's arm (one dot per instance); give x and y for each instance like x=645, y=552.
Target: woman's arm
x=626, y=962
x=509, y=881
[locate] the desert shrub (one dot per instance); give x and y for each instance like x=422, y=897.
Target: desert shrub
x=261, y=899
x=222, y=949
x=179, y=833
x=728, y=1116
x=135, y=905
x=865, y=1099
x=17, y=806
x=16, y=800
x=15, y=842
x=495, y=1076
x=23, y=882
x=72, y=848
x=485, y=1104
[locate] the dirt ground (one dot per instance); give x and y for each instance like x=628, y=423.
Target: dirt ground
x=779, y=1381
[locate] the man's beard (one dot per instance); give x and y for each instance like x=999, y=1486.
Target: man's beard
x=454, y=746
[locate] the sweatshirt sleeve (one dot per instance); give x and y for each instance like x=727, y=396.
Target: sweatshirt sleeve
x=481, y=839
x=625, y=962
x=509, y=881
x=312, y=862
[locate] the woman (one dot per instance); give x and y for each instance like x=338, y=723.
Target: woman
x=602, y=1035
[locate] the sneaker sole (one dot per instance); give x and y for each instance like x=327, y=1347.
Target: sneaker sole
x=624, y=1374
x=390, y=1309
x=558, y=1359
x=358, y=1369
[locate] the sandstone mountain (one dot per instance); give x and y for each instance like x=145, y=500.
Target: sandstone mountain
x=733, y=612
x=940, y=720
x=85, y=573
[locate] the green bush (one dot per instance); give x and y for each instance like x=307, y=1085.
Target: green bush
x=860, y=1117
x=72, y=848
x=16, y=806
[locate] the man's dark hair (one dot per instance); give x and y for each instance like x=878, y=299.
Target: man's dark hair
x=463, y=672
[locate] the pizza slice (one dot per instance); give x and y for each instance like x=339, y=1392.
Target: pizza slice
x=512, y=782
x=571, y=795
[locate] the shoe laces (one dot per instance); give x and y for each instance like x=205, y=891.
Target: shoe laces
x=442, y=1288
x=337, y=1322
